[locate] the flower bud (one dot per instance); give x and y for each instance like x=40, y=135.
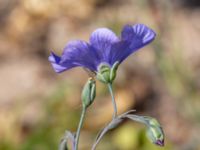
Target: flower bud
x=155, y=132
x=89, y=93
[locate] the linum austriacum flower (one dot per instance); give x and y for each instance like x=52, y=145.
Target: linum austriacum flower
x=102, y=56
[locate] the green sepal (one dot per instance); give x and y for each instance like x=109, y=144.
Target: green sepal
x=93, y=92
x=113, y=71
x=106, y=74
x=103, y=73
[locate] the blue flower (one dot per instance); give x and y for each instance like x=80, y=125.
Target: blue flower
x=104, y=47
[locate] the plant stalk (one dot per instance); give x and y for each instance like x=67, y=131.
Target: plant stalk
x=79, y=127
x=113, y=100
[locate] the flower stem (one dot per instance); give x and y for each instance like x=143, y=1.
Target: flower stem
x=113, y=100
x=79, y=127
x=104, y=130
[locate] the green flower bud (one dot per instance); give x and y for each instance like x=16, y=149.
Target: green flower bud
x=155, y=132
x=89, y=92
x=154, y=129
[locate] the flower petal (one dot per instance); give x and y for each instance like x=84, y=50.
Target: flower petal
x=55, y=61
x=80, y=53
x=118, y=52
x=139, y=35
x=134, y=38
x=102, y=39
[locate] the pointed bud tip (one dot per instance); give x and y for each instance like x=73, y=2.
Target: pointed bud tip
x=160, y=143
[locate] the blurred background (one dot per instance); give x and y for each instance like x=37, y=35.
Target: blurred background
x=161, y=80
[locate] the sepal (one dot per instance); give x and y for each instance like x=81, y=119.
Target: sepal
x=107, y=74
x=103, y=73
x=113, y=71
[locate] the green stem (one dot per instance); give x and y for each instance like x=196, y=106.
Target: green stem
x=113, y=100
x=79, y=127
x=101, y=133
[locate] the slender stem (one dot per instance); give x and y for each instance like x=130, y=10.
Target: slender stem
x=103, y=131
x=113, y=100
x=79, y=127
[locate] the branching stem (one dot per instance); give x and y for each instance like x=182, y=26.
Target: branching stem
x=104, y=130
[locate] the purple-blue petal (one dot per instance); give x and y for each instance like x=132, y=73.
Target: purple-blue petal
x=139, y=35
x=101, y=40
x=80, y=53
x=118, y=52
x=104, y=47
x=132, y=39
x=55, y=61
